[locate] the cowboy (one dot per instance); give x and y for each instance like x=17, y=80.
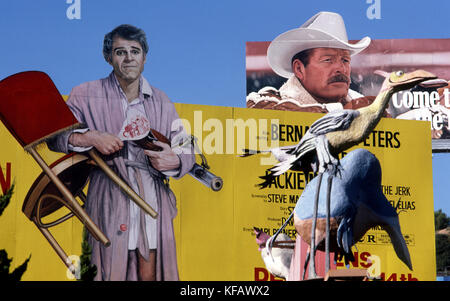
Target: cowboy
x=315, y=58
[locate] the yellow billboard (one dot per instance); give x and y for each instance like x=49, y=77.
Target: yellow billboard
x=214, y=229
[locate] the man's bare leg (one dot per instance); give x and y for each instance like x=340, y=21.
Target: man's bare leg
x=147, y=269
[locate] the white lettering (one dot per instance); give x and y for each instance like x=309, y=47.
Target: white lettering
x=374, y=10
x=74, y=10
x=374, y=270
x=416, y=100
x=447, y=97
x=214, y=137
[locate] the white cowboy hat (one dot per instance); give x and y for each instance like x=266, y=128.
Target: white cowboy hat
x=325, y=29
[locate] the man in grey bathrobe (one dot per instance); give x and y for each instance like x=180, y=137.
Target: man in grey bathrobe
x=142, y=248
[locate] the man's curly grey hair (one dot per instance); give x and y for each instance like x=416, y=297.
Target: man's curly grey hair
x=127, y=32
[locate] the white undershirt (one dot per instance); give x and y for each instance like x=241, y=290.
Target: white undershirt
x=130, y=110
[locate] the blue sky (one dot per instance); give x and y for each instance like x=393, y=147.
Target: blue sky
x=197, y=47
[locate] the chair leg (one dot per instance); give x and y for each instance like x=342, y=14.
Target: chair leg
x=52, y=241
x=76, y=208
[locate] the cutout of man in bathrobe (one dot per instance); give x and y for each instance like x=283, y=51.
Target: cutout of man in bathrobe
x=142, y=248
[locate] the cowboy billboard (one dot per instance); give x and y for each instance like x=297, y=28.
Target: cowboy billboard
x=271, y=82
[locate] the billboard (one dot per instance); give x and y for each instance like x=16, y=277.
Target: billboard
x=214, y=229
x=430, y=104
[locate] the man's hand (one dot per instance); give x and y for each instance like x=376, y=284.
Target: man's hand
x=105, y=143
x=163, y=160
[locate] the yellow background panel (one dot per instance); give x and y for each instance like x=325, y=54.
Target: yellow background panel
x=214, y=230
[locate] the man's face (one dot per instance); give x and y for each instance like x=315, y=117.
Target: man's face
x=127, y=59
x=327, y=75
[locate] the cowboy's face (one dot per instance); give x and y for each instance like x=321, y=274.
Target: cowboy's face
x=327, y=75
x=127, y=59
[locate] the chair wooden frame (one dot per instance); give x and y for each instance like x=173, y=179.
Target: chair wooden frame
x=45, y=197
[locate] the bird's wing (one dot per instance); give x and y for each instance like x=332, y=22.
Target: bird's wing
x=283, y=153
x=287, y=164
x=333, y=121
x=280, y=153
x=306, y=144
x=287, y=148
x=294, y=156
x=246, y=152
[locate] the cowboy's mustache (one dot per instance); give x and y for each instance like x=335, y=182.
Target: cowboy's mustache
x=339, y=78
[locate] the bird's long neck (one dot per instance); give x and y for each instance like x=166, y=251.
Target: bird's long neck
x=377, y=107
x=371, y=115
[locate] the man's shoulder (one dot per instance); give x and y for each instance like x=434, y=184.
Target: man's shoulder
x=272, y=98
x=159, y=94
x=266, y=97
x=89, y=87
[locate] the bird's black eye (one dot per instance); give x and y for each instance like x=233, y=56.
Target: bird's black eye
x=399, y=73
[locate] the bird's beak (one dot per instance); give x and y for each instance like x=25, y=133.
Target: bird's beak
x=434, y=83
x=395, y=234
x=413, y=78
